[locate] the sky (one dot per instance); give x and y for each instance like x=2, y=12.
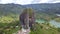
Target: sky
x=23, y=2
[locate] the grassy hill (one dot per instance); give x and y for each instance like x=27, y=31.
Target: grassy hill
x=44, y=29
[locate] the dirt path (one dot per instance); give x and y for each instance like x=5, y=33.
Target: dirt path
x=22, y=32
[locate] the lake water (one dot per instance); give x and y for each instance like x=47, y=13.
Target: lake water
x=56, y=24
x=52, y=22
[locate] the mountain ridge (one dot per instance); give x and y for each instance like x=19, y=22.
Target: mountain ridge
x=17, y=9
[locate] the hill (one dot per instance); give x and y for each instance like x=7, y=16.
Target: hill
x=6, y=9
x=46, y=7
x=40, y=8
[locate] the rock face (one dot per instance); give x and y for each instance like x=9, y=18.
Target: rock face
x=27, y=18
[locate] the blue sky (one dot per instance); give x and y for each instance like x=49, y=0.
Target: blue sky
x=23, y=2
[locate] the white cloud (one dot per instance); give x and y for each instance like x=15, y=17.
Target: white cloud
x=24, y=1
x=6, y=1
x=40, y=1
x=28, y=1
x=56, y=2
x=46, y=1
x=16, y=1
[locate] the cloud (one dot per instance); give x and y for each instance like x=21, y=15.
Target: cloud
x=28, y=1
x=6, y=1
x=40, y=1
x=45, y=1
x=24, y=1
x=16, y=1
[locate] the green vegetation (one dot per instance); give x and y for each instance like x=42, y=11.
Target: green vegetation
x=9, y=21
x=44, y=29
x=57, y=19
x=10, y=25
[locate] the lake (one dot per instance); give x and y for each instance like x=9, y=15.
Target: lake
x=52, y=22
